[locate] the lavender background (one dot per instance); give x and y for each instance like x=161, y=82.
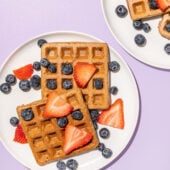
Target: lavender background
x=21, y=20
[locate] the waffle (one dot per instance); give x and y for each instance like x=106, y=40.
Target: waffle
x=162, y=24
x=139, y=9
x=73, y=52
x=46, y=138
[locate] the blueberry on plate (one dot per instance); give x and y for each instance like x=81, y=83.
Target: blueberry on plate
x=167, y=49
x=121, y=11
x=140, y=40
x=101, y=147
x=27, y=114
x=51, y=84
x=52, y=68
x=37, y=66
x=14, y=121
x=11, y=79
x=67, y=68
x=146, y=27
x=5, y=88
x=98, y=83
x=35, y=82
x=41, y=42
x=107, y=153
x=167, y=27
x=104, y=133
x=72, y=164
x=24, y=85
x=44, y=62
x=77, y=115
x=114, y=66
x=67, y=84
x=153, y=4
x=113, y=90
x=62, y=122
x=61, y=165
x=138, y=24
x=94, y=114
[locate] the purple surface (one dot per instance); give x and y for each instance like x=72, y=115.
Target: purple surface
x=22, y=20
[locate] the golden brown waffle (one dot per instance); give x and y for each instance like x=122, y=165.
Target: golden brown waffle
x=162, y=24
x=139, y=9
x=46, y=138
x=73, y=52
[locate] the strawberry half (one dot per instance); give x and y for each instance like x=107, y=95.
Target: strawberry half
x=75, y=138
x=163, y=4
x=24, y=73
x=114, y=116
x=57, y=106
x=83, y=72
x=19, y=135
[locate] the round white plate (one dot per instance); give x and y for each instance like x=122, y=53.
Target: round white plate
x=153, y=53
x=124, y=80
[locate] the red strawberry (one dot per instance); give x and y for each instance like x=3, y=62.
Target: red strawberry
x=57, y=106
x=75, y=138
x=114, y=116
x=163, y=4
x=83, y=72
x=19, y=135
x=24, y=72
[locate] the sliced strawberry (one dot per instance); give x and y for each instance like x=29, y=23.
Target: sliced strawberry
x=114, y=116
x=163, y=4
x=19, y=135
x=57, y=106
x=24, y=72
x=83, y=72
x=75, y=138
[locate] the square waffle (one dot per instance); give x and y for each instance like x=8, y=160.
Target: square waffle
x=73, y=52
x=139, y=9
x=46, y=138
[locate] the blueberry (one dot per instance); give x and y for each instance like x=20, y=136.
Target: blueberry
x=107, y=153
x=27, y=114
x=35, y=82
x=61, y=165
x=98, y=83
x=72, y=164
x=167, y=27
x=5, y=88
x=52, y=68
x=67, y=68
x=41, y=42
x=51, y=84
x=146, y=27
x=37, y=66
x=114, y=66
x=113, y=90
x=67, y=84
x=14, y=121
x=11, y=79
x=62, y=122
x=167, y=49
x=138, y=24
x=104, y=133
x=121, y=11
x=94, y=114
x=95, y=125
x=44, y=63
x=101, y=146
x=153, y=4
x=77, y=115
x=140, y=40
x=24, y=85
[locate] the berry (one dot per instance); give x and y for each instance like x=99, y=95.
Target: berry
x=62, y=122
x=61, y=165
x=121, y=11
x=5, y=88
x=67, y=69
x=98, y=83
x=14, y=121
x=51, y=84
x=11, y=79
x=52, y=68
x=153, y=4
x=163, y=4
x=167, y=49
x=27, y=114
x=113, y=90
x=107, y=153
x=37, y=66
x=24, y=85
x=35, y=82
x=101, y=146
x=44, y=62
x=77, y=115
x=167, y=27
x=104, y=133
x=94, y=114
x=138, y=24
x=140, y=40
x=41, y=42
x=67, y=84
x=72, y=164
x=146, y=27
x=114, y=66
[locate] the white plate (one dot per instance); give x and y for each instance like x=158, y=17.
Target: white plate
x=153, y=53
x=124, y=80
